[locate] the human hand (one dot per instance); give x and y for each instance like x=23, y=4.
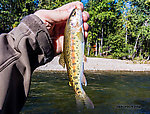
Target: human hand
x=55, y=21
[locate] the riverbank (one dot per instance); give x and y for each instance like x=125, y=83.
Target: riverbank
x=100, y=64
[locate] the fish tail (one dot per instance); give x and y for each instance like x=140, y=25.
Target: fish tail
x=84, y=100
x=88, y=103
x=79, y=103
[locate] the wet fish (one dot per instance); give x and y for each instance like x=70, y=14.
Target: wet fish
x=73, y=57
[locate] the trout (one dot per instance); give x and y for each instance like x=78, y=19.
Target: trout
x=73, y=57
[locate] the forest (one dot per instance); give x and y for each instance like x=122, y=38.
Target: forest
x=117, y=28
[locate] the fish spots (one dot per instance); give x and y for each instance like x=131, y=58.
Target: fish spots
x=72, y=57
x=73, y=38
x=72, y=50
x=72, y=47
x=74, y=67
x=77, y=54
x=68, y=54
x=79, y=91
x=73, y=64
x=77, y=88
x=71, y=81
x=75, y=77
x=73, y=54
x=76, y=83
x=73, y=60
x=74, y=70
x=80, y=30
x=67, y=47
x=67, y=40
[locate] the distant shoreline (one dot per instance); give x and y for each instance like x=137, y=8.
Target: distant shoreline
x=98, y=64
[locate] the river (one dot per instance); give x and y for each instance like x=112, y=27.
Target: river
x=111, y=93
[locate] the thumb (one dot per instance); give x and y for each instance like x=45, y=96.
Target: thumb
x=60, y=14
x=54, y=16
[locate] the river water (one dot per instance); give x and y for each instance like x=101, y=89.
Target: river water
x=111, y=93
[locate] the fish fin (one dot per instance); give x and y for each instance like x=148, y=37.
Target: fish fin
x=80, y=101
x=85, y=59
x=83, y=80
x=62, y=60
x=88, y=103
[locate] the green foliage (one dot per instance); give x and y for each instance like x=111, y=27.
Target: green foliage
x=115, y=31
x=125, y=32
x=12, y=11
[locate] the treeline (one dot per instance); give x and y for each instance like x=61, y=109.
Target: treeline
x=12, y=11
x=118, y=29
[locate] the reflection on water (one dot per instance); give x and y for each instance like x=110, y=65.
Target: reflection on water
x=111, y=93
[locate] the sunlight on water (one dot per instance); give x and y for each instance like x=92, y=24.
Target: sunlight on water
x=111, y=93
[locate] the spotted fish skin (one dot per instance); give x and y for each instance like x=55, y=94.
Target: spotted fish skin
x=73, y=54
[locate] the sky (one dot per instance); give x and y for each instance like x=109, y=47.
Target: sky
x=128, y=3
x=84, y=2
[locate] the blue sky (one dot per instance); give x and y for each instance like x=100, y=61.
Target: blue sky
x=128, y=3
x=84, y=1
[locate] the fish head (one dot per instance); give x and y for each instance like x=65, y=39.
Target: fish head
x=75, y=19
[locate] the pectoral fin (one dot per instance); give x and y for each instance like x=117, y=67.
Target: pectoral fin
x=83, y=80
x=62, y=60
x=85, y=59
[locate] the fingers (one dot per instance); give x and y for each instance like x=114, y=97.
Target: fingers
x=85, y=25
x=62, y=13
x=85, y=34
x=71, y=6
x=85, y=16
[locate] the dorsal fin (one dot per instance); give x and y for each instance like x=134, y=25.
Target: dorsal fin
x=83, y=80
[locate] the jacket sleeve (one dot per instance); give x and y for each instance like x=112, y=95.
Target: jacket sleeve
x=22, y=50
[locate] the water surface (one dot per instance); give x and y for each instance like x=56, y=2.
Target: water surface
x=111, y=93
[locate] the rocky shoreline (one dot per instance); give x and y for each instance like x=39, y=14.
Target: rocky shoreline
x=99, y=64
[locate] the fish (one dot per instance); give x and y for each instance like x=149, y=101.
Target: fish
x=73, y=57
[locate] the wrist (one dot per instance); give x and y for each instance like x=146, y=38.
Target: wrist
x=42, y=15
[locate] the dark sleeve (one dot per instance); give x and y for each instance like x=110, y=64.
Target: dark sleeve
x=22, y=50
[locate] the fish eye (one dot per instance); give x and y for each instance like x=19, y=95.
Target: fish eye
x=74, y=14
x=72, y=24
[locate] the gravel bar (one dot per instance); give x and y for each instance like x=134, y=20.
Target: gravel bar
x=99, y=64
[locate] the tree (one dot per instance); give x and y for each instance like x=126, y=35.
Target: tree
x=115, y=29
x=121, y=30
x=103, y=18
x=12, y=11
